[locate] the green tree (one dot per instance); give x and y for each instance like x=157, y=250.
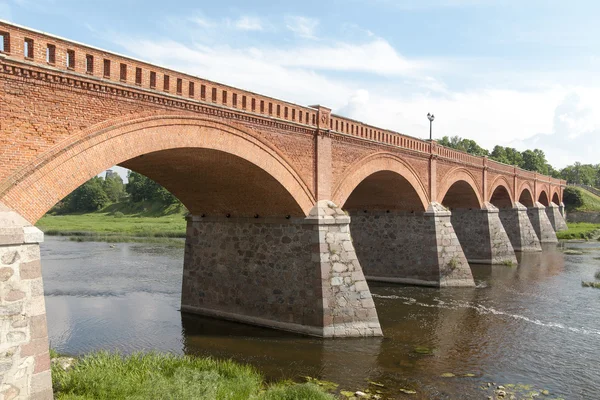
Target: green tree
x=142, y=188
x=114, y=188
x=535, y=160
x=88, y=197
x=466, y=145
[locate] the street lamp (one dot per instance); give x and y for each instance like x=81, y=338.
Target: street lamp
x=430, y=117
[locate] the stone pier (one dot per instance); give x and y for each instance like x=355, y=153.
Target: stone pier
x=482, y=236
x=24, y=354
x=519, y=229
x=541, y=224
x=297, y=274
x=556, y=219
x=412, y=248
x=562, y=210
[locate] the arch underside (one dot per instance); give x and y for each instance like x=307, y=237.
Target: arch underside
x=461, y=195
x=543, y=198
x=556, y=199
x=526, y=198
x=381, y=181
x=501, y=197
x=212, y=167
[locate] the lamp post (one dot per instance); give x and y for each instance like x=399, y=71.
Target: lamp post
x=430, y=117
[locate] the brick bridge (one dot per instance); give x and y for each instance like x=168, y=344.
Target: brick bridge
x=274, y=190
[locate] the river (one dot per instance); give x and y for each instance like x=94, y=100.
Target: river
x=533, y=326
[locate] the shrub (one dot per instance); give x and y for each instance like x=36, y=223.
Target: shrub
x=118, y=214
x=572, y=198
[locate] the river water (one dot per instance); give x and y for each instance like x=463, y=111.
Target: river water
x=533, y=326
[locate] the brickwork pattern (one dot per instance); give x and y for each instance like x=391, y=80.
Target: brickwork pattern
x=482, y=236
x=519, y=229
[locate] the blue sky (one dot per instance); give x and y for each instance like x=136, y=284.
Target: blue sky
x=505, y=72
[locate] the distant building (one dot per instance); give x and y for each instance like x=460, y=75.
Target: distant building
x=111, y=174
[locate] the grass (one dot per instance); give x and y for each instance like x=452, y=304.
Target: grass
x=105, y=224
x=163, y=376
x=591, y=202
x=579, y=230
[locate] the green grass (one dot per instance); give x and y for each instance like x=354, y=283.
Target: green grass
x=591, y=202
x=105, y=224
x=579, y=230
x=163, y=376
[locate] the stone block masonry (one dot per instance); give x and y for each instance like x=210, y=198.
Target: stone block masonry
x=412, y=248
x=24, y=356
x=556, y=219
x=541, y=224
x=297, y=274
x=482, y=235
x=519, y=229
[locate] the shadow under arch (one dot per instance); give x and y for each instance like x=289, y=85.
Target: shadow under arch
x=556, y=198
x=500, y=193
x=543, y=198
x=381, y=181
x=460, y=190
x=526, y=196
x=152, y=145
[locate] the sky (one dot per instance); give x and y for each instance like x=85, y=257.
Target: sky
x=509, y=72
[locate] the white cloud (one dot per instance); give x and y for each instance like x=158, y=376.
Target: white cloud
x=303, y=27
x=247, y=23
x=389, y=90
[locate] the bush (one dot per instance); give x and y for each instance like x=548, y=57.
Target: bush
x=118, y=214
x=572, y=198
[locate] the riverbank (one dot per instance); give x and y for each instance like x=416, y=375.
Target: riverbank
x=117, y=227
x=580, y=230
x=150, y=376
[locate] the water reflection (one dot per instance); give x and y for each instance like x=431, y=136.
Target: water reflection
x=531, y=323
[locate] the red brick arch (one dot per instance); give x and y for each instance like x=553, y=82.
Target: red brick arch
x=378, y=163
x=500, y=193
x=526, y=194
x=34, y=189
x=464, y=177
x=543, y=197
x=556, y=197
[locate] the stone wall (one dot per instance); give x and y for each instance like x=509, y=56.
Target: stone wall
x=413, y=248
x=556, y=219
x=24, y=354
x=482, y=236
x=541, y=224
x=519, y=229
x=300, y=275
x=590, y=217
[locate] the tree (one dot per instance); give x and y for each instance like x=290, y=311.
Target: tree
x=114, y=188
x=466, y=145
x=535, y=160
x=142, y=188
x=88, y=197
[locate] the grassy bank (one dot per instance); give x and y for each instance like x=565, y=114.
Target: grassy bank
x=586, y=202
x=164, y=376
x=580, y=230
x=119, y=222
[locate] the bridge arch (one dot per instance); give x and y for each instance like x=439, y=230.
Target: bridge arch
x=165, y=147
x=460, y=190
x=556, y=198
x=543, y=198
x=500, y=193
x=381, y=181
x=526, y=196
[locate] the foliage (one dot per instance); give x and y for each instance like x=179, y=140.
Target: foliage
x=507, y=155
x=579, y=230
x=88, y=197
x=573, y=198
x=535, y=160
x=142, y=188
x=466, y=145
x=165, y=376
x=114, y=188
x=583, y=174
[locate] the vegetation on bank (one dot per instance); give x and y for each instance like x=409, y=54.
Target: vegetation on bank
x=578, y=199
x=164, y=376
x=580, y=230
